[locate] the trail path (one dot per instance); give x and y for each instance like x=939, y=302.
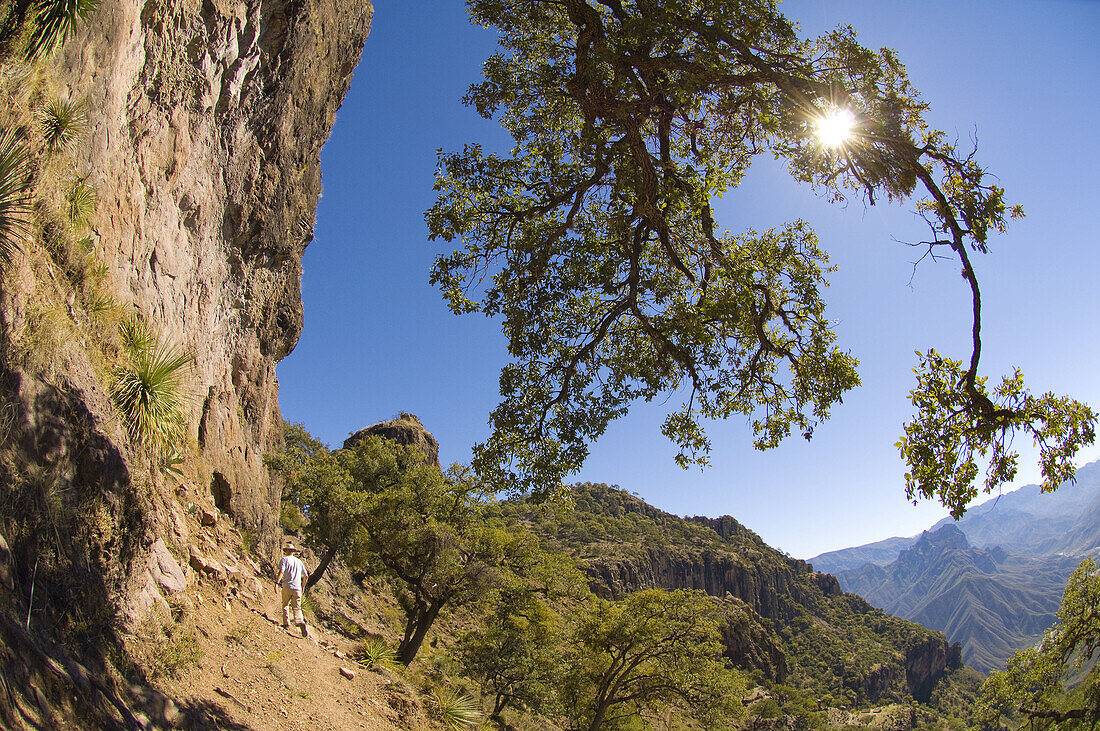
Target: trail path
x=261, y=676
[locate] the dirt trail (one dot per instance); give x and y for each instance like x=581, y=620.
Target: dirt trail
x=257, y=675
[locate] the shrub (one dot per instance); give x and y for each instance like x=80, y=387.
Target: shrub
x=290, y=518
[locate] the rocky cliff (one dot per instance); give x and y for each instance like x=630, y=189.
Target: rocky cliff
x=205, y=121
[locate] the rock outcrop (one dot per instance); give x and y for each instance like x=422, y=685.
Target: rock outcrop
x=406, y=429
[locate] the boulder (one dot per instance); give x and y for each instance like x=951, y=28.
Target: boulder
x=206, y=566
x=164, y=568
x=146, y=599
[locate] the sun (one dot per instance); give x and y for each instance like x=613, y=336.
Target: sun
x=834, y=128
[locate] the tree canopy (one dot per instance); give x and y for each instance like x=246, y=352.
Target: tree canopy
x=388, y=508
x=596, y=242
x=653, y=650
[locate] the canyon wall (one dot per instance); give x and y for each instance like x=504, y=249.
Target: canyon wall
x=206, y=120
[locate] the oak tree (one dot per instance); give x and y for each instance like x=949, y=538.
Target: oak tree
x=423, y=531
x=595, y=239
x=654, y=650
x=317, y=487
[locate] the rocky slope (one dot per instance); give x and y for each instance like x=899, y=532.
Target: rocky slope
x=989, y=601
x=205, y=124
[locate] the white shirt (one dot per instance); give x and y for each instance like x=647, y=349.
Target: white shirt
x=292, y=570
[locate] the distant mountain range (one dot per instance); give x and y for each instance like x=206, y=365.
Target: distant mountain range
x=991, y=581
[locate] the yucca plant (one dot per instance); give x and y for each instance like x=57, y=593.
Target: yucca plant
x=80, y=203
x=63, y=123
x=15, y=199
x=136, y=335
x=150, y=391
x=99, y=309
x=53, y=22
x=375, y=653
x=456, y=710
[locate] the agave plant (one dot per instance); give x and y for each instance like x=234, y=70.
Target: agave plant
x=456, y=710
x=150, y=391
x=376, y=653
x=53, y=22
x=15, y=199
x=62, y=123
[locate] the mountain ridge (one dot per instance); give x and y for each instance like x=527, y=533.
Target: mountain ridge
x=833, y=642
x=991, y=581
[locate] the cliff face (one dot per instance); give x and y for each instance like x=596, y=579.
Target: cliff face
x=206, y=120
x=764, y=587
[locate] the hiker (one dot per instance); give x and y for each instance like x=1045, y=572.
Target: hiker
x=292, y=572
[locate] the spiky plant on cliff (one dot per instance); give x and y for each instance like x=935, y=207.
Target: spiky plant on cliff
x=456, y=710
x=53, y=22
x=62, y=123
x=149, y=390
x=80, y=203
x=15, y=201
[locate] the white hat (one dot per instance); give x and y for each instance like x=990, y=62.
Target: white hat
x=290, y=548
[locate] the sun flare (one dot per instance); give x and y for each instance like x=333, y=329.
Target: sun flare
x=835, y=127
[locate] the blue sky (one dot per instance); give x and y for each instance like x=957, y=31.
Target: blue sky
x=1022, y=76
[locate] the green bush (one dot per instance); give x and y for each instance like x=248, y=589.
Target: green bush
x=290, y=518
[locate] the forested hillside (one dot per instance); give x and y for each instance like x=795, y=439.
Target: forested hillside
x=831, y=643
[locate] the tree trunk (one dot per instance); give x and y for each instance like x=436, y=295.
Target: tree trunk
x=320, y=570
x=498, y=707
x=410, y=645
x=598, y=716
